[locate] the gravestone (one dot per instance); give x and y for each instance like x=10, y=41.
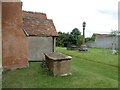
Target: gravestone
x=72, y=47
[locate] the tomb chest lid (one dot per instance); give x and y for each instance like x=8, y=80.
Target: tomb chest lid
x=57, y=56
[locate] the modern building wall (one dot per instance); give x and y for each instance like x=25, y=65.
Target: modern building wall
x=90, y=44
x=38, y=46
x=14, y=41
x=104, y=42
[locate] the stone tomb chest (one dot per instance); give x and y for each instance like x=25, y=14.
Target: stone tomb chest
x=58, y=63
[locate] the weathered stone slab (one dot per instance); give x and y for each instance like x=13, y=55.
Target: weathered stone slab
x=58, y=63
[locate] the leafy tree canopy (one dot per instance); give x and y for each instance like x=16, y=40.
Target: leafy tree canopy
x=72, y=38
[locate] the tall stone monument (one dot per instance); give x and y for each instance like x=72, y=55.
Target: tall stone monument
x=83, y=46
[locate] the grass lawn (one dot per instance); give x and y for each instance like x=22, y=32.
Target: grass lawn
x=103, y=56
x=97, y=68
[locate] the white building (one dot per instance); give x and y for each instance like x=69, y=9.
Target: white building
x=104, y=41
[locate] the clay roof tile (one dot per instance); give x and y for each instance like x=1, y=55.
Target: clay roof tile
x=34, y=26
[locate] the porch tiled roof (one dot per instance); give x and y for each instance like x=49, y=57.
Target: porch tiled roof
x=35, y=14
x=34, y=26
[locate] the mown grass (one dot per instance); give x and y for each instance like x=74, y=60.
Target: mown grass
x=85, y=73
x=103, y=56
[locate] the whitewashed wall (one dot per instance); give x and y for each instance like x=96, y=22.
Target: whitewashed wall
x=90, y=44
x=38, y=46
x=103, y=42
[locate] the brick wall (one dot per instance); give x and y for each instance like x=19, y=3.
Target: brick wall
x=0, y=36
x=14, y=41
x=0, y=49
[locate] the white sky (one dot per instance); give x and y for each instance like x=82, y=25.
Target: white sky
x=100, y=15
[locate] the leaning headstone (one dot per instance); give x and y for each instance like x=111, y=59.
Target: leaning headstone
x=83, y=48
x=114, y=52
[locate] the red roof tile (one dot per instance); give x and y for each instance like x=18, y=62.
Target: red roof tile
x=35, y=14
x=38, y=26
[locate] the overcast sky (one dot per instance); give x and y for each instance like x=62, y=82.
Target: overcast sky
x=100, y=15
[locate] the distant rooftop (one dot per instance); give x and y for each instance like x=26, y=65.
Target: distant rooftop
x=103, y=35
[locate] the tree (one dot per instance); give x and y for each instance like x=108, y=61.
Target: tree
x=75, y=35
x=93, y=37
x=90, y=38
x=59, y=39
x=66, y=39
x=79, y=40
x=63, y=39
x=60, y=32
